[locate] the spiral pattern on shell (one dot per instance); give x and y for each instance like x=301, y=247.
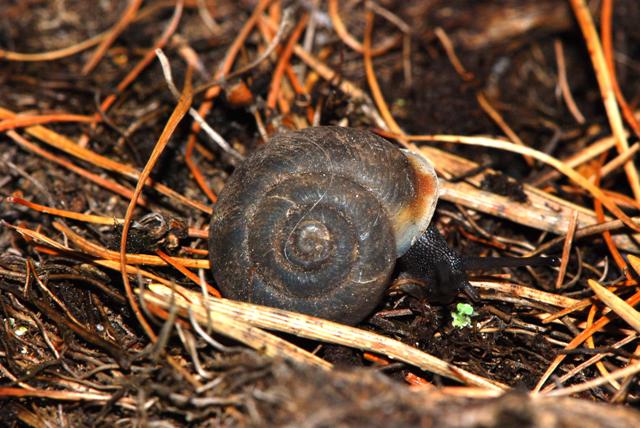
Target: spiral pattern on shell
x=314, y=220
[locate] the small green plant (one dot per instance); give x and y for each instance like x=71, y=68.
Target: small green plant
x=462, y=316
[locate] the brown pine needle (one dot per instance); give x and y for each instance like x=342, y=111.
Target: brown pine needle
x=186, y=272
x=66, y=145
x=55, y=54
x=603, y=76
x=89, y=218
x=148, y=57
x=502, y=124
x=184, y=103
x=607, y=48
x=446, y=43
x=213, y=93
x=349, y=40
x=578, y=340
x=634, y=261
x=110, y=185
x=283, y=61
x=30, y=120
x=376, y=92
x=128, y=16
x=564, y=83
x=135, y=259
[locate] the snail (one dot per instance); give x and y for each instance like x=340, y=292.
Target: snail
x=315, y=220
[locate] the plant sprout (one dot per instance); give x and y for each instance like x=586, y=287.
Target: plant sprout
x=462, y=316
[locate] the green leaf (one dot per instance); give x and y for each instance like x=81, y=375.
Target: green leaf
x=462, y=316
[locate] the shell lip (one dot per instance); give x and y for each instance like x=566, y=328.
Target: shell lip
x=415, y=218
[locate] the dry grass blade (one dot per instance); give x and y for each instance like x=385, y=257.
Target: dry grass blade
x=256, y=338
x=527, y=293
x=574, y=389
x=543, y=211
x=617, y=305
x=331, y=332
x=542, y=157
x=54, y=395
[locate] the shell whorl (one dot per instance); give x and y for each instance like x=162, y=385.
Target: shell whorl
x=314, y=220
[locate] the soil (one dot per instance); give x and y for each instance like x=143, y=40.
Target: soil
x=513, y=66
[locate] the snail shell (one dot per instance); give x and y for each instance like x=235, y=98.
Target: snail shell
x=314, y=220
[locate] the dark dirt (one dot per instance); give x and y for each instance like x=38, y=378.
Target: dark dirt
x=515, y=69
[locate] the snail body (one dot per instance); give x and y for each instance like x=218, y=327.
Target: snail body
x=314, y=221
